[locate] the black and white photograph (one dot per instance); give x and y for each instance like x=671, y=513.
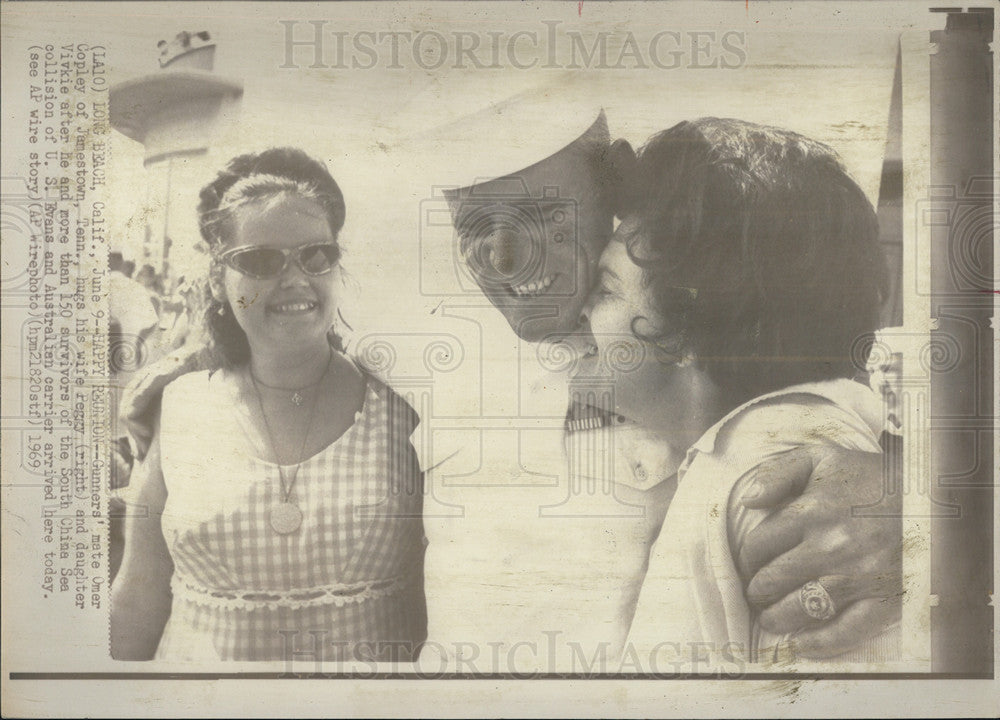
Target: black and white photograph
x=490, y=359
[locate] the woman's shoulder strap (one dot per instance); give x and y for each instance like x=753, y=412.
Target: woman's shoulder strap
x=402, y=418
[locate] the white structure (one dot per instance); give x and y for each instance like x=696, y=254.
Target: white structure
x=179, y=114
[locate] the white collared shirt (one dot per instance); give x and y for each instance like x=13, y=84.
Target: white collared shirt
x=692, y=612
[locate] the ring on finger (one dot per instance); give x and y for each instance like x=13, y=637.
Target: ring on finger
x=816, y=601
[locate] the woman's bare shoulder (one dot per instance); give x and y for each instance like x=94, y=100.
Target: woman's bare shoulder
x=195, y=392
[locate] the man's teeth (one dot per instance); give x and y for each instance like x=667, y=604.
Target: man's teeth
x=294, y=307
x=533, y=288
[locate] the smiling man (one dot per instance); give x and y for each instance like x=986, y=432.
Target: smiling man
x=532, y=239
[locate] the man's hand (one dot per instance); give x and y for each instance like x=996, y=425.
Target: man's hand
x=837, y=521
x=140, y=402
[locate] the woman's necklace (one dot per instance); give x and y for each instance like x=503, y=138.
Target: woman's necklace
x=297, y=398
x=285, y=516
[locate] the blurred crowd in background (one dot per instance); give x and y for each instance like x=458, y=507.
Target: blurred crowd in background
x=150, y=316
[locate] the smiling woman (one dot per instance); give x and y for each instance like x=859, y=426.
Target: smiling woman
x=243, y=209
x=265, y=534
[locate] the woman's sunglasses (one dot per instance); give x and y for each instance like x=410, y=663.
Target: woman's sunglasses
x=264, y=262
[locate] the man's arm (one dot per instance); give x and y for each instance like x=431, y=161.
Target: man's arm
x=837, y=519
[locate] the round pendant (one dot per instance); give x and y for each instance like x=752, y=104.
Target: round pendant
x=285, y=518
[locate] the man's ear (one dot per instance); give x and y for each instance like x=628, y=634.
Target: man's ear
x=623, y=176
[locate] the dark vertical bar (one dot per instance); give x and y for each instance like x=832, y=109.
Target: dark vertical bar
x=961, y=352
x=890, y=203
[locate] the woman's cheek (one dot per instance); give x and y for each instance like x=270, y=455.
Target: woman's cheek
x=601, y=323
x=329, y=297
x=246, y=299
x=612, y=326
x=246, y=292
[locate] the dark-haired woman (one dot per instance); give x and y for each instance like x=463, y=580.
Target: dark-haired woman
x=742, y=281
x=284, y=498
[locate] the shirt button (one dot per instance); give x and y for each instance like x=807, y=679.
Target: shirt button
x=640, y=474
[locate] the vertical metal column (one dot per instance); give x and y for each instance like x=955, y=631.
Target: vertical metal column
x=960, y=354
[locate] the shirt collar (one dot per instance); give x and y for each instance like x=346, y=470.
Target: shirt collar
x=851, y=395
x=643, y=459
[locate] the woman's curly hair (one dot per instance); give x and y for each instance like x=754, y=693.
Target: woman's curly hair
x=245, y=179
x=761, y=254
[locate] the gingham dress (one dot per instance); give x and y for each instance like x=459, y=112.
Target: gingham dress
x=347, y=584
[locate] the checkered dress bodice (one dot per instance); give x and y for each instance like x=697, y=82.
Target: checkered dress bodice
x=351, y=573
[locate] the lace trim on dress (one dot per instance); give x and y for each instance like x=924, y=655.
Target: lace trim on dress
x=338, y=594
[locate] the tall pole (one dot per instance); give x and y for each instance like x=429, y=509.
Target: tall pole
x=961, y=357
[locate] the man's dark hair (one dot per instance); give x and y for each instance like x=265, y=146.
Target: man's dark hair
x=761, y=254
